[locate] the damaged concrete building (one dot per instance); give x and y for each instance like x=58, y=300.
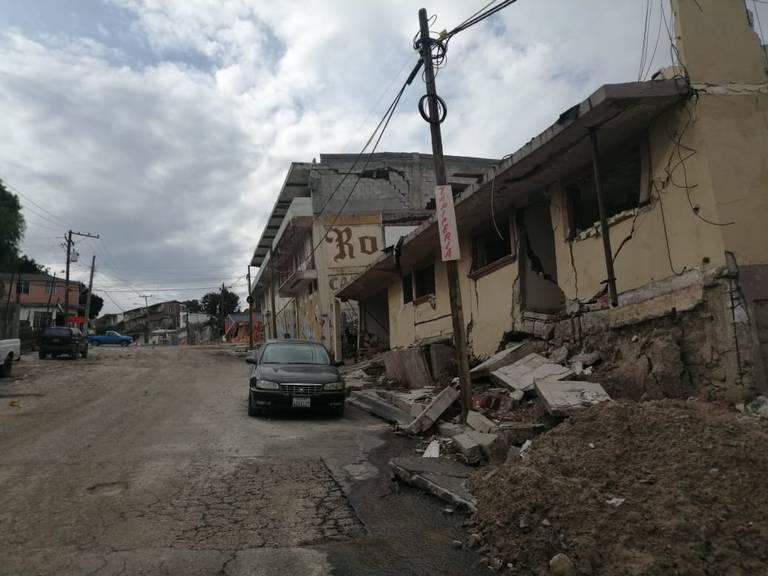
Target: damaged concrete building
x=331, y=220
x=670, y=286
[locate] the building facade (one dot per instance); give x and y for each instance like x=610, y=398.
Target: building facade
x=681, y=166
x=330, y=221
x=41, y=297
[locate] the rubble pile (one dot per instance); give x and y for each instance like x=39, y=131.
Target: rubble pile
x=655, y=488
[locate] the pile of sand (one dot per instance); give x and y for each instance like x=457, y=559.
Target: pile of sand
x=657, y=488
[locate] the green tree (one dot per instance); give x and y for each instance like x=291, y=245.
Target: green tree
x=97, y=303
x=212, y=303
x=192, y=305
x=12, y=228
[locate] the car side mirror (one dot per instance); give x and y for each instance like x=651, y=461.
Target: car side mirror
x=252, y=359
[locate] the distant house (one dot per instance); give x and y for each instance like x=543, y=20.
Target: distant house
x=141, y=322
x=41, y=297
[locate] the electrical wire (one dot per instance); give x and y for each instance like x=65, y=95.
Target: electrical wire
x=655, y=46
x=644, y=45
x=759, y=23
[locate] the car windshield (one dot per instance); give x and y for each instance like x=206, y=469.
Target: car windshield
x=288, y=353
x=58, y=331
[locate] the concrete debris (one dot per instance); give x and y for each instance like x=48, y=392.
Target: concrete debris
x=615, y=502
x=523, y=374
x=433, y=450
x=561, y=565
x=476, y=446
x=372, y=403
x=758, y=407
x=431, y=413
x=560, y=397
x=517, y=433
x=559, y=355
x=474, y=540
x=524, y=448
x=480, y=423
x=413, y=401
x=444, y=478
x=469, y=447
x=513, y=454
x=506, y=357
x=449, y=429
x=587, y=358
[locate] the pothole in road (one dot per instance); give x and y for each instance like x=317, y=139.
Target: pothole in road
x=107, y=488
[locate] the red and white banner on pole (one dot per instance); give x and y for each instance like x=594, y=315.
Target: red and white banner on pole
x=446, y=222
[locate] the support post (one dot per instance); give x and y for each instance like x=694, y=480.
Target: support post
x=88, y=298
x=441, y=178
x=273, y=316
x=250, y=312
x=604, y=230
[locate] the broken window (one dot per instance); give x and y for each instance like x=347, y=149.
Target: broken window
x=621, y=188
x=424, y=281
x=491, y=244
x=407, y=288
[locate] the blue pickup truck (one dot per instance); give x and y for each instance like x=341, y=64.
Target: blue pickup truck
x=110, y=338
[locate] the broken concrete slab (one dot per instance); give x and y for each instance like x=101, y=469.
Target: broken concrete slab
x=432, y=450
x=587, y=358
x=560, y=397
x=431, y=413
x=442, y=360
x=476, y=445
x=479, y=422
x=408, y=366
x=370, y=402
x=506, y=357
x=444, y=478
x=523, y=374
x=559, y=355
x=413, y=401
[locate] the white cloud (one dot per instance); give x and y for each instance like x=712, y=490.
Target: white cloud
x=175, y=155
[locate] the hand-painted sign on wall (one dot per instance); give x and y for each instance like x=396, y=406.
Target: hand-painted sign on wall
x=446, y=222
x=352, y=241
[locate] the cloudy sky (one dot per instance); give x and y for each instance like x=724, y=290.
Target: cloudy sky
x=166, y=126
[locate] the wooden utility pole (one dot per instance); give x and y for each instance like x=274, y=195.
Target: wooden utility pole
x=221, y=311
x=441, y=178
x=88, y=298
x=69, y=256
x=146, y=311
x=48, y=305
x=250, y=311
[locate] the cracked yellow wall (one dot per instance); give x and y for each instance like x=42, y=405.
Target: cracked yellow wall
x=645, y=258
x=487, y=304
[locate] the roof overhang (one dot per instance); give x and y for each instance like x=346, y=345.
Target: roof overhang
x=616, y=111
x=296, y=185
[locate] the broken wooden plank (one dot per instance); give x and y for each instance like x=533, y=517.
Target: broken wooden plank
x=525, y=372
x=431, y=413
x=560, y=397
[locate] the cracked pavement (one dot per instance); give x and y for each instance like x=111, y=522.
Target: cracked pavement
x=144, y=461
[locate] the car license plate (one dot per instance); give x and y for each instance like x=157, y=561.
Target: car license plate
x=302, y=402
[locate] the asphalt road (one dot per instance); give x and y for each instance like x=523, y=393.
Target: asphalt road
x=144, y=461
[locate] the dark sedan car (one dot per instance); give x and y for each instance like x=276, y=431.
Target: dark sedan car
x=294, y=374
x=58, y=340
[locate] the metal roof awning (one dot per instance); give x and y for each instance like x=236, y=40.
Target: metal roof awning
x=296, y=185
x=616, y=111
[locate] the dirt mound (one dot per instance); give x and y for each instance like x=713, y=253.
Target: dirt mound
x=657, y=488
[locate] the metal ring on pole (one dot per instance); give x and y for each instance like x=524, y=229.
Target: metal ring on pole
x=442, y=109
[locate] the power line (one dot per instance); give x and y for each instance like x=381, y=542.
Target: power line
x=51, y=214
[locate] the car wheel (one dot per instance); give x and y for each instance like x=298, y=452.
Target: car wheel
x=124, y=344
x=73, y=355
x=97, y=343
x=338, y=411
x=41, y=354
x=252, y=410
x=84, y=353
x=7, y=367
